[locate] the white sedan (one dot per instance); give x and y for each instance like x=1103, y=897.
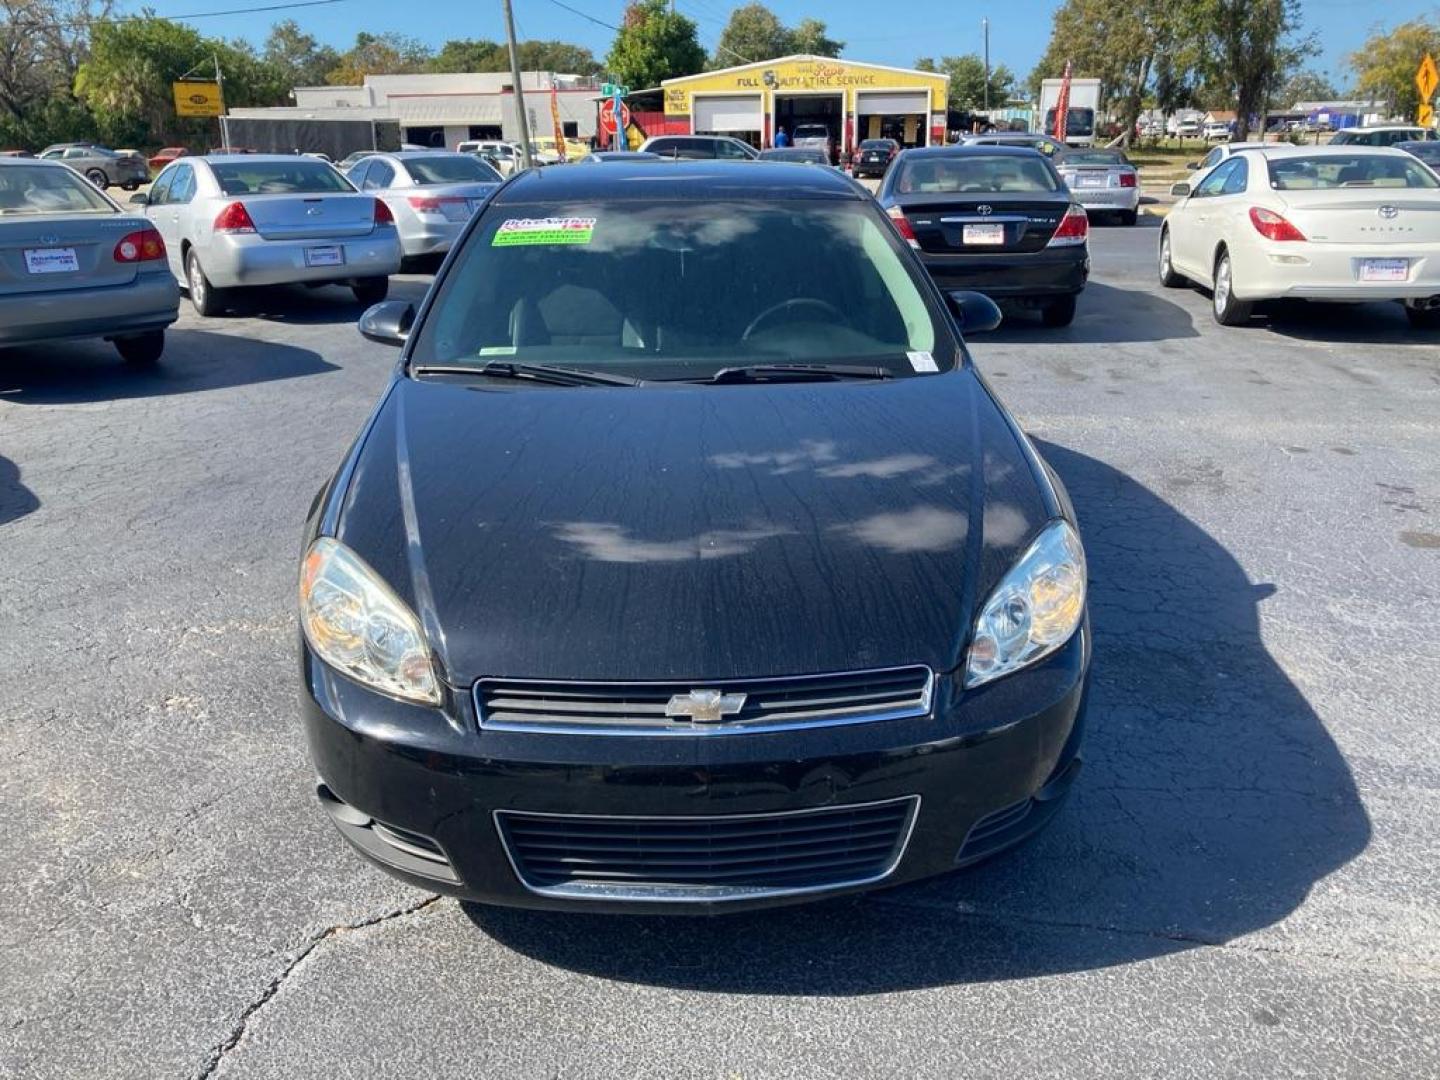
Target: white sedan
x=1338, y=223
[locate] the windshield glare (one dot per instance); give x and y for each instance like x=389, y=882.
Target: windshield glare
x=48, y=190
x=676, y=290
x=1349, y=171
x=450, y=170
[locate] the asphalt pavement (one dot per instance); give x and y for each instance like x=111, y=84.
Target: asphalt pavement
x=1243, y=884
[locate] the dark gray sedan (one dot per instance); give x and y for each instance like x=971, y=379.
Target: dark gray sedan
x=74, y=265
x=101, y=165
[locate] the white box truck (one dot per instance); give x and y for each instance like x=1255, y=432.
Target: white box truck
x=1084, y=105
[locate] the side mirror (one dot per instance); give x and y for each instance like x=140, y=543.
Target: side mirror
x=388, y=322
x=139, y=199
x=1180, y=191
x=975, y=312
x=1192, y=165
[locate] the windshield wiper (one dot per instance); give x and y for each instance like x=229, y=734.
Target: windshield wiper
x=542, y=373
x=796, y=373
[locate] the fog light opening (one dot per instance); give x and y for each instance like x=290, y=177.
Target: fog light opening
x=338, y=808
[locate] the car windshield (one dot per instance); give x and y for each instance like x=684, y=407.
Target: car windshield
x=1078, y=121
x=1357, y=170
x=973, y=172
x=48, y=190
x=278, y=178
x=1093, y=157
x=681, y=290
x=444, y=169
x=875, y=144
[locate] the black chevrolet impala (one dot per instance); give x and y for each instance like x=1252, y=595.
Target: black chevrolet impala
x=687, y=563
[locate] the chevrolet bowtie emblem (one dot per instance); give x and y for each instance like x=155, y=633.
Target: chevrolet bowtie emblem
x=704, y=706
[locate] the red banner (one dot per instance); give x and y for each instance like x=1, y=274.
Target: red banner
x=1062, y=105
x=559, y=127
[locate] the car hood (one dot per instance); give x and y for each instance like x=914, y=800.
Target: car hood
x=692, y=531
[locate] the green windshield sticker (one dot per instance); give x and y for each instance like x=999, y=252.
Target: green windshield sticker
x=567, y=230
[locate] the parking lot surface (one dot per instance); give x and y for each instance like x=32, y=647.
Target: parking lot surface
x=1242, y=885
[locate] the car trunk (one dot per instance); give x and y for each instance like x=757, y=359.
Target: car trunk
x=71, y=251
x=979, y=223
x=1362, y=215
x=1091, y=177
x=301, y=217
x=457, y=201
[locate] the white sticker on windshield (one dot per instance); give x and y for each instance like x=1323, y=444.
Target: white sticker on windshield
x=922, y=361
x=550, y=230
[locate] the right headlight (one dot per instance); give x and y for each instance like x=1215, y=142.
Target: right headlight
x=356, y=624
x=1034, y=609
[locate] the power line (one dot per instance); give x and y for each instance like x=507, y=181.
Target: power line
x=116, y=19
x=587, y=17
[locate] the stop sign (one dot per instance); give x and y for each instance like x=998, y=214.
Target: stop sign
x=607, y=116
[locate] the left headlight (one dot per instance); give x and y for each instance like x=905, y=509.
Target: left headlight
x=1034, y=609
x=357, y=625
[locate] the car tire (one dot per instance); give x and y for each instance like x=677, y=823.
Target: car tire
x=371, y=290
x=1168, y=277
x=1058, y=313
x=207, y=300
x=98, y=178
x=1228, y=310
x=141, y=350
x=1129, y=217
x=1423, y=318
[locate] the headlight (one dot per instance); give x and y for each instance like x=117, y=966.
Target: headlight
x=1034, y=609
x=358, y=626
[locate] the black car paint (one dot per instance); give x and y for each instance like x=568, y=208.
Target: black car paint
x=1025, y=268
x=733, y=531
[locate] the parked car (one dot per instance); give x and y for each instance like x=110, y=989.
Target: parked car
x=816, y=137
x=1319, y=223
x=993, y=218
x=431, y=194
x=1216, y=129
x=1428, y=152
x=345, y=163
x=100, y=165
x=601, y=156
x=1041, y=143
x=161, y=158
x=16, y=153
x=873, y=157
x=1102, y=181
x=546, y=151
x=1382, y=135
x=1188, y=128
x=498, y=704
x=1217, y=154
x=796, y=155
x=503, y=156
x=74, y=265
x=231, y=222
x=700, y=147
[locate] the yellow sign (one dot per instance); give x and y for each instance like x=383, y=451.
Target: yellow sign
x=1426, y=117
x=1427, y=78
x=803, y=75
x=198, y=99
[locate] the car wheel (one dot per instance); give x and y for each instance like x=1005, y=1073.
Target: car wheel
x=1229, y=311
x=207, y=299
x=1168, y=277
x=371, y=290
x=1423, y=318
x=1129, y=217
x=141, y=350
x=1058, y=313
x=98, y=178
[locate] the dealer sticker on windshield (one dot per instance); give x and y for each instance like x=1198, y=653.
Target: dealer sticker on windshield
x=549, y=230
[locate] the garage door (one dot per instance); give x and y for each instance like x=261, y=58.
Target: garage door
x=897, y=103
x=740, y=112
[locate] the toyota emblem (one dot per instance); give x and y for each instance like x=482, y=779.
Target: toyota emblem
x=984, y=208
x=1387, y=212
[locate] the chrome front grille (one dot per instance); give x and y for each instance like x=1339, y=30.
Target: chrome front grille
x=714, y=857
x=749, y=705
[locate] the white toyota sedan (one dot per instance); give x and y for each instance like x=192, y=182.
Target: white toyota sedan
x=1335, y=223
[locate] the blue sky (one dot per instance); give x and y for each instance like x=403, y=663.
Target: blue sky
x=887, y=34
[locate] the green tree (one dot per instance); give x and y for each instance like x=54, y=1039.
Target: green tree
x=298, y=59
x=967, y=80
x=1385, y=65
x=1305, y=86
x=809, y=37
x=378, y=54
x=654, y=44
x=42, y=44
x=1251, y=44
x=753, y=33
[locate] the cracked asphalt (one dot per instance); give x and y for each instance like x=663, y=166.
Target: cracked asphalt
x=1243, y=884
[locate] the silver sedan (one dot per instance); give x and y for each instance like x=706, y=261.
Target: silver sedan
x=236, y=220
x=431, y=194
x=1102, y=181
x=74, y=265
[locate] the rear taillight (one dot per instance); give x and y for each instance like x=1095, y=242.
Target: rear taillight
x=1127, y=179
x=434, y=204
x=234, y=219
x=902, y=225
x=1272, y=226
x=1074, y=227
x=144, y=245
x=383, y=216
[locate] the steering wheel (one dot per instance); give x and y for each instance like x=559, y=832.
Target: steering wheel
x=789, y=305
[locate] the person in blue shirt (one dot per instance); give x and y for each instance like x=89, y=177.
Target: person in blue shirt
x=781, y=138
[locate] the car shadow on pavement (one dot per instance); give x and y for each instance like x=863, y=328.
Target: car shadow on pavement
x=16, y=500
x=1103, y=313
x=75, y=371
x=1211, y=802
x=1341, y=324
x=301, y=306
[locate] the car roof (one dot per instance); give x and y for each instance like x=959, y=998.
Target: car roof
x=251, y=159
x=972, y=149
x=1385, y=127
x=696, y=181
x=1344, y=150
x=25, y=163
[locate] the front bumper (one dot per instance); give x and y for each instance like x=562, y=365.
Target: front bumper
x=242, y=260
x=1057, y=271
x=405, y=784
x=150, y=301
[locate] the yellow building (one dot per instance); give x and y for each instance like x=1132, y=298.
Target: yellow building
x=855, y=101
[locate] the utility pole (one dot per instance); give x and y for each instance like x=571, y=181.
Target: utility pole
x=985, y=25
x=520, y=113
x=220, y=84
